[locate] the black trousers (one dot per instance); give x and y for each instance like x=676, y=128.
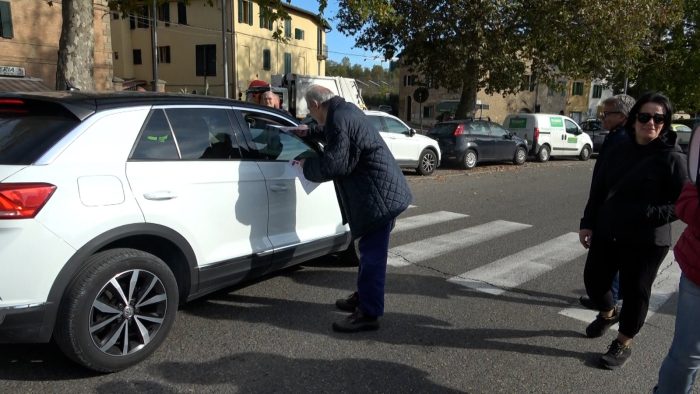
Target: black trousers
x=638, y=265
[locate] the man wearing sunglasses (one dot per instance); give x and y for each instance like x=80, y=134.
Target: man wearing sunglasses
x=615, y=112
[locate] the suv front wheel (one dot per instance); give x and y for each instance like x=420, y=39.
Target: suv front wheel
x=118, y=310
x=427, y=162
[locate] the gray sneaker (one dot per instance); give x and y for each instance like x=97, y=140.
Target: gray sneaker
x=617, y=355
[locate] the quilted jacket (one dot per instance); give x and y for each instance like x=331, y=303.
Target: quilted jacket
x=687, y=249
x=370, y=184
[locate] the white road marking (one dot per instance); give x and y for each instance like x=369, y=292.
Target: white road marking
x=414, y=252
x=664, y=286
x=413, y=222
x=511, y=271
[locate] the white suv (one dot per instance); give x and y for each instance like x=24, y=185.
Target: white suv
x=114, y=208
x=410, y=150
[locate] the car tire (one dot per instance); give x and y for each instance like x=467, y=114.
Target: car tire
x=120, y=294
x=469, y=159
x=585, y=153
x=543, y=154
x=520, y=156
x=427, y=162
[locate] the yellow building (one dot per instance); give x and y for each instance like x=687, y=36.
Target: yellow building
x=189, y=41
x=29, y=35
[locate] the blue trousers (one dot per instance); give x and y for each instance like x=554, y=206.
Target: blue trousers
x=680, y=367
x=371, y=277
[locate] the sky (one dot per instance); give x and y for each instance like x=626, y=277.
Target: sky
x=339, y=45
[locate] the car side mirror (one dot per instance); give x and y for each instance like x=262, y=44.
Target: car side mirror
x=411, y=132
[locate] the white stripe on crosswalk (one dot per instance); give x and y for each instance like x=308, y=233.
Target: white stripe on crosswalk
x=664, y=286
x=511, y=271
x=414, y=252
x=413, y=222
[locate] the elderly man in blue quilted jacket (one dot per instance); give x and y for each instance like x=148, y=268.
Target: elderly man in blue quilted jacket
x=373, y=192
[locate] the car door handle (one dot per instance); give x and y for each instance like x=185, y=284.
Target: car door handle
x=279, y=188
x=159, y=195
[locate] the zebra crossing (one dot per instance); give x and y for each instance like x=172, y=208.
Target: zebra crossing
x=500, y=276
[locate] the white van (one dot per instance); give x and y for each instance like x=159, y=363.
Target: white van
x=550, y=135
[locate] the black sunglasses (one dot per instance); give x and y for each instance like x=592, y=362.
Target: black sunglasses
x=644, y=117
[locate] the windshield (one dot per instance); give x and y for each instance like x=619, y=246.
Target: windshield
x=443, y=129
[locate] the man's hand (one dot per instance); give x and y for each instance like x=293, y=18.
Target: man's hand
x=302, y=130
x=584, y=236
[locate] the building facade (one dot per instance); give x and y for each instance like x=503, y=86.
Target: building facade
x=190, y=51
x=30, y=32
x=533, y=97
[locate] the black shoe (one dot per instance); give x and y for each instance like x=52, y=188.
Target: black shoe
x=601, y=324
x=587, y=303
x=356, y=322
x=348, y=304
x=617, y=355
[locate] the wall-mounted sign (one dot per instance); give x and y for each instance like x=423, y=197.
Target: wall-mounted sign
x=11, y=71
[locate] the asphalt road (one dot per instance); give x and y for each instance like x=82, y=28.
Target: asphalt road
x=274, y=335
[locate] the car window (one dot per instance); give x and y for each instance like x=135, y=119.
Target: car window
x=156, y=140
x=570, y=127
x=497, y=131
x=203, y=133
x=27, y=131
x=478, y=128
x=376, y=122
x=683, y=128
x=271, y=142
x=394, y=126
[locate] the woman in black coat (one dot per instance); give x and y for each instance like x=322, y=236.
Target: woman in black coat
x=626, y=223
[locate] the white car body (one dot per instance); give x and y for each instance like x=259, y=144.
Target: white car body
x=213, y=222
x=550, y=135
x=411, y=150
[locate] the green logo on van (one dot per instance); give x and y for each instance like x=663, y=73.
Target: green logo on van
x=517, y=123
x=556, y=122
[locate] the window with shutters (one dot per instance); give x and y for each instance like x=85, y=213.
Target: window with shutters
x=205, y=60
x=164, y=54
x=288, y=28
x=5, y=20
x=245, y=12
x=181, y=13
x=298, y=34
x=577, y=89
x=597, y=91
x=164, y=13
x=287, y=63
x=266, y=60
x=137, y=56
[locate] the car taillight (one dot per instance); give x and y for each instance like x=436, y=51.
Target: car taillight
x=13, y=106
x=23, y=200
x=536, y=135
x=459, y=130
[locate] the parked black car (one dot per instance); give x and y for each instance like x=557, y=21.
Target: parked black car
x=594, y=128
x=469, y=141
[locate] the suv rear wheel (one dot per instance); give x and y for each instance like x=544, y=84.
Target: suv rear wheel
x=427, y=162
x=118, y=310
x=469, y=159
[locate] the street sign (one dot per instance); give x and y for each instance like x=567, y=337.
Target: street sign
x=420, y=94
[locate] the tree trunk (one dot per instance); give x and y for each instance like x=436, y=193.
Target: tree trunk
x=76, y=48
x=467, y=100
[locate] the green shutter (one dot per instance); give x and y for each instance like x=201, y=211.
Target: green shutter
x=250, y=13
x=240, y=11
x=5, y=20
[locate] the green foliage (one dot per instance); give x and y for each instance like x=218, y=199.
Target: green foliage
x=469, y=45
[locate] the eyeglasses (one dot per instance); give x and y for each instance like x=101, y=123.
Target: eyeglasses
x=606, y=114
x=644, y=117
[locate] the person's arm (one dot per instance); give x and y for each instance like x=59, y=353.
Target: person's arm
x=339, y=158
x=688, y=207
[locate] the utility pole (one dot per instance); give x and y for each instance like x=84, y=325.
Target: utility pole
x=154, y=44
x=224, y=46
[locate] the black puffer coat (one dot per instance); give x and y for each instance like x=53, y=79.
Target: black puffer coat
x=640, y=208
x=371, y=186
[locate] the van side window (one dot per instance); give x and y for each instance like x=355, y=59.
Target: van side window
x=156, y=141
x=571, y=127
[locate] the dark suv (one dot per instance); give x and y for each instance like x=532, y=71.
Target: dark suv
x=469, y=141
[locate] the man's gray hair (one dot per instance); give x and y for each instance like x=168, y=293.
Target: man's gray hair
x=622, y=103
x=319, y=94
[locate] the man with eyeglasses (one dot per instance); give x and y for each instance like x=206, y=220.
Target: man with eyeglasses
x=615, y=112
